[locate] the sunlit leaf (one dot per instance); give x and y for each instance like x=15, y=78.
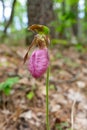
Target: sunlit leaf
x=72, y=2
x=30, y=95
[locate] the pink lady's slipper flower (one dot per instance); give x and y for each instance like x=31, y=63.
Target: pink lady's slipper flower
x=38, y=62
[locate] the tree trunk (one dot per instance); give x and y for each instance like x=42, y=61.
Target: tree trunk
x=39, y=12
x=86, y=10
x=85, y=18
x=62, y=32
x=74, y=9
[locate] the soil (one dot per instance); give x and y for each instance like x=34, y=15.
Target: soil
x=67, y=90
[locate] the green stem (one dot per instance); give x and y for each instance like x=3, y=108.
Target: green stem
x=47, y=100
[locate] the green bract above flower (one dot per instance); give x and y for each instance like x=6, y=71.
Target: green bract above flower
x=41, y=29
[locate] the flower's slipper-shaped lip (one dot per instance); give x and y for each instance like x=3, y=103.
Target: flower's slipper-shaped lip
x=38, y=62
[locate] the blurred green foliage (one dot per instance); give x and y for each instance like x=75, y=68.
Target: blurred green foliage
x=67, y=14
x=7, y=85
x=62, y=126
x=30, y=95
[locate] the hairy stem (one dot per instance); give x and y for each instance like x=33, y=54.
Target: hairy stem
x=47, y=100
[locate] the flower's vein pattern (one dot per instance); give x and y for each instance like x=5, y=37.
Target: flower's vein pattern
x=38, y=62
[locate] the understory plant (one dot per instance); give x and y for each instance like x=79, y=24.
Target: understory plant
x=7, y=85
x=38, y=62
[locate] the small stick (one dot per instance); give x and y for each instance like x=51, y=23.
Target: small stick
x=72, y=114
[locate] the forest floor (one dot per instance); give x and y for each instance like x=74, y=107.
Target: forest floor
x=25, y=107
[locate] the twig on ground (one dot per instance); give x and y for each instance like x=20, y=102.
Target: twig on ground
x=72, y=114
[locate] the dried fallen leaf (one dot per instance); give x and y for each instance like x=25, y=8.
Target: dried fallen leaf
x=81, y=84
x=27, y=115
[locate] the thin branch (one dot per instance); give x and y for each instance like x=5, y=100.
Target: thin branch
x=11, y=17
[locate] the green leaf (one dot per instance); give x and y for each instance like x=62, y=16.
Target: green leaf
x=58, y=126
x=58, y=1
x=72, y=2
x=7, y=90
x=59, y=41
x=52, y=87
x=6, y=85
x=30, y=95
x=79, y=47
x=62, y=125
